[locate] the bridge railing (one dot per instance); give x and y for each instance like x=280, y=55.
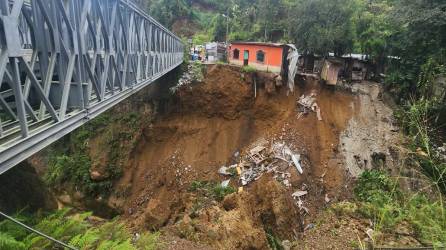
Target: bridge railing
x=65, y=62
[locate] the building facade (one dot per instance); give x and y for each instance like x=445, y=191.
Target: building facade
x=270, y=57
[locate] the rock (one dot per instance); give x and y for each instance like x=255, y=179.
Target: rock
x=299, y=193
x=65, y=199
x=78, y=196
x=96, y=175
x=286, y=244
x=157, y=214
x=270, y=87
x=230, y=202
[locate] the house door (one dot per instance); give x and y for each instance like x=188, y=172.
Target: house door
x=245, y=57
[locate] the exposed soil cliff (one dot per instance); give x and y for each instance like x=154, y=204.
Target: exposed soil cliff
x=168, y=157
x=209, y=124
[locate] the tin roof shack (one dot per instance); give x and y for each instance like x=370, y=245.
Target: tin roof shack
x=270, y=57
x=357, y=67
x=215, y=51
x=351, y=68
x=310, y=64
x=331, y=70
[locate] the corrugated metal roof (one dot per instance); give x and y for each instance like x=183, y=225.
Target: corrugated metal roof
x=260, y=44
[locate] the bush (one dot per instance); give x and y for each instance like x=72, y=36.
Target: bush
x=417, y=119
x=75, y=169
x=8, y=242
x=381, y=200
x=197, y=71
x=71, y=165
x=375, y=185
x=248, y=69
x=75, y=230
x=211, y=189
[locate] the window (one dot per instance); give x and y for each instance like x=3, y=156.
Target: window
x=236, y=54
x=260, y=56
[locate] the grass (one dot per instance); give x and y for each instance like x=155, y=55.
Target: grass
x=197, y=71
x=248, y=69
x=418, y=118
x=211, y=189
x=273, y=242
x=76, y=230
x=381, y=200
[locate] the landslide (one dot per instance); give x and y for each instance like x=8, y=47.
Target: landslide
x=208, y=125
x=168, y=153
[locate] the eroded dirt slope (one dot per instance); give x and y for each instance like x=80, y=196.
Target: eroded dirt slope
x=210, y=124
x=215, y=123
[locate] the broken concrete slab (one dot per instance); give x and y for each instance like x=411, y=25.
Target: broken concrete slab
x=299, y=193
x=296, y=159
x=225, y=183
x=308, y=103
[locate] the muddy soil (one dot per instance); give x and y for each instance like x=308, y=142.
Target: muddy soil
x=209, y=124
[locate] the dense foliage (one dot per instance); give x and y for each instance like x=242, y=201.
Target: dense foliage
x=77, y=230
x=405, y=38
x=380, y=199
x=70, y=167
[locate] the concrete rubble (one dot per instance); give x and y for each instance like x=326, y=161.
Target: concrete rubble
x=308, y=103
x=298, y=197
x=187, y=78
x=261, y=159
x=270, y=157
x=227, y=170
x=225, y=183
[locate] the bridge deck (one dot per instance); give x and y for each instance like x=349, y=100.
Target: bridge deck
x=63, y=63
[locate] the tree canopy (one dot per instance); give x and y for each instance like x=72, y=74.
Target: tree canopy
x=405, y=35
x=320, y=26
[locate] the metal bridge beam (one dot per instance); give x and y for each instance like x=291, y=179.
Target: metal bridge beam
x=63, y=63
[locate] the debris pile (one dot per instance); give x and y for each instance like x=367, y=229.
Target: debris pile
x=298, y=197
x=308, y=103
x=275, y=159
x=189, y=76
x=186, y=78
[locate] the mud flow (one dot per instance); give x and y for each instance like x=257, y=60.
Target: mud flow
x=216, y=123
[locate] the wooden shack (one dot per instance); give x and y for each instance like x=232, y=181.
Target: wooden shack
x=330, y=71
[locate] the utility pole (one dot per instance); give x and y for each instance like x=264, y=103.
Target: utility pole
x=227, y=25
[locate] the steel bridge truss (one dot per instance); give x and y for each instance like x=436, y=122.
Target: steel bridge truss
x=63, y=62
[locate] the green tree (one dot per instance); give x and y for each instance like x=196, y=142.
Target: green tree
x=374, y=28
x=320, y=26
x=271, y=14
x=218, y=30
x=420, y=39
x=168, y=11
